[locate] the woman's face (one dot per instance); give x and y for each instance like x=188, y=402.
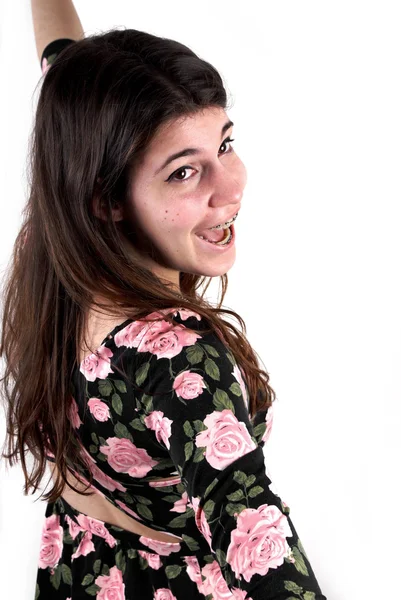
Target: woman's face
x=169, y=204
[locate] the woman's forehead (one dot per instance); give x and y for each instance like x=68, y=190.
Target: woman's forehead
x=174, y=136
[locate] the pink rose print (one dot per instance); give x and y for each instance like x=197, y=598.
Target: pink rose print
x=111, y=586
x=225, y=438
x=259, y=541
x=163, y=548
x=201, y=521
x=161, y=425
x=97, y=365
x=164, y=482
x=189, y=385
x=180, y=506
x=169, y=341
x=194, y=572
x=51, y=546
x=124, y=457
x=238, y=376
x=45, y=66
x=154, y=560
x=99, y=409
x=204, y=527
x=106, y=481
x=85, y=546
x=239, y=594
x=194, y=504
x=159, y=337
x=130, y=336
x=164, y=594
x=96, y=527
x=73, y=527
x=269, y=424
x=101, y=477
x=74, y=414
x=215, y=583
x=128, y=510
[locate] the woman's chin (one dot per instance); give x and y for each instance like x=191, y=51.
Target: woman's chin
x=215, y=267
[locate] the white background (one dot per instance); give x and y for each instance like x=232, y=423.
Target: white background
x=317, y=120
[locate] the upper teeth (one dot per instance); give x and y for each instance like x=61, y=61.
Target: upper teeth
x=226, y=224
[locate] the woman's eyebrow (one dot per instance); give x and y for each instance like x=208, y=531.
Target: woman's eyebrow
x=189, y=151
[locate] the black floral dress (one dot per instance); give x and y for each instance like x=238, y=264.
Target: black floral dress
x=171, y=444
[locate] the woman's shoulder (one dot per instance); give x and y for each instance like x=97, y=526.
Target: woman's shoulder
x=156, y=334
x=137, y=339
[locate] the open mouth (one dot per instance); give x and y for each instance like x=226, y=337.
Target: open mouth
x=219, y=235
x=227, y=238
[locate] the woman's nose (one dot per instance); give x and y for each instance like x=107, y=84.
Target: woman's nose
x=229, y=187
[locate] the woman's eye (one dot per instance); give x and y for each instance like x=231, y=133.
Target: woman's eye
x=172, y=177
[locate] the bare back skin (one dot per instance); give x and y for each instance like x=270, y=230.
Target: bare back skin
x=96, y=505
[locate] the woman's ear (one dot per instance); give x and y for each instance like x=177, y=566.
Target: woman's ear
x=99, y=209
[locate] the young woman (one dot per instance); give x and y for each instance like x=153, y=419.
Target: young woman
x=149, y=407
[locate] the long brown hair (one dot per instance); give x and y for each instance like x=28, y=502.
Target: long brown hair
x=100, y=104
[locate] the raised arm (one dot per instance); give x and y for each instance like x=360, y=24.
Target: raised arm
x=54, y=19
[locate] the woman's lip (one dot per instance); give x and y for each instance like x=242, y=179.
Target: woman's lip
x=212, y=226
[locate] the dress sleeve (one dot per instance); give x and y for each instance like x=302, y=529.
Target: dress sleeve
x=51, y=51
x=192, y=400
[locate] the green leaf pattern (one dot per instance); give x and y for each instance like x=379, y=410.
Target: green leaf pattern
x=180, y=416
